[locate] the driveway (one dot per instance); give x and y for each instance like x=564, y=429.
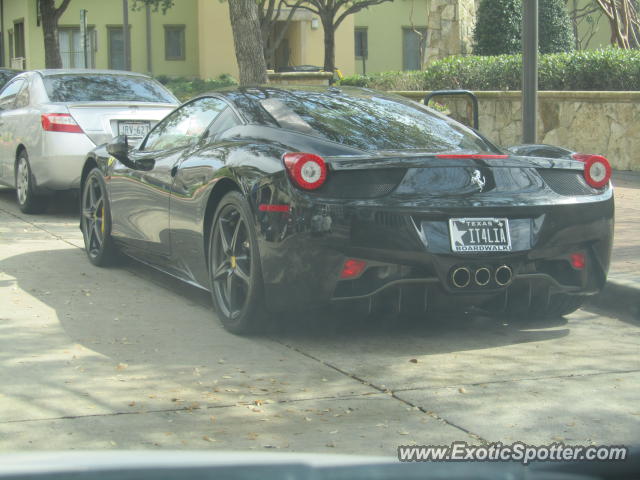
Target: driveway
x=127, y=358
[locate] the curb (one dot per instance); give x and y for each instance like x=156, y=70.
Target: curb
x=620, y=296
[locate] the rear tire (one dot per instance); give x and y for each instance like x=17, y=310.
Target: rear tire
x=28, y=201
x=95, y=221
x=235, y=274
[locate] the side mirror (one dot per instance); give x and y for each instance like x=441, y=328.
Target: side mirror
x=119, y=148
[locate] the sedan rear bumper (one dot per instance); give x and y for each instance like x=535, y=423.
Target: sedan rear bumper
x=59, y=166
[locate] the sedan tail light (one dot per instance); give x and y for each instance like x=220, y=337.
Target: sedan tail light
x=59, y=122
x=306, y=170
x=597, y=170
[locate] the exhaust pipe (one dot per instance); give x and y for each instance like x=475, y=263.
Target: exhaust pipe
x=504, y=275
x=482, y=276
x=461, y=277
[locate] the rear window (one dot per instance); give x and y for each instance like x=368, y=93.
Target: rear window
x=370, y=122
x=105, y=88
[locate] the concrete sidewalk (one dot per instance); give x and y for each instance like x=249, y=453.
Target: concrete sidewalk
x=622, y=293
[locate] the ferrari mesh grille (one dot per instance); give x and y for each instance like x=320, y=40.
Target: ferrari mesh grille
x=361, y=183
x=566, y=182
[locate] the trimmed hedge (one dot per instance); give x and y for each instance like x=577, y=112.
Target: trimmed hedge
x=555, y=30
x=608, y=69
x=498, y=25
x=186, y=88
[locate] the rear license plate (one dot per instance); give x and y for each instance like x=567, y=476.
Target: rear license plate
x=479, y=235
x=133, y=129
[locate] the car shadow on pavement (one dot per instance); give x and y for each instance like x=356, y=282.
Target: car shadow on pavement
x=98, y=307
x=60, y=203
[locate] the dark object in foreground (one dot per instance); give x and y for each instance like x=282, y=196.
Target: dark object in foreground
x=287, y=199
x=169, y=465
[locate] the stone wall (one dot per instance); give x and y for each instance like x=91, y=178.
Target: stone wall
x=606, y=123
x=450, y=28
x=299, y=78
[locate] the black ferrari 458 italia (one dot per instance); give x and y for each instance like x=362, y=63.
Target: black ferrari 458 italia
x=279, y=199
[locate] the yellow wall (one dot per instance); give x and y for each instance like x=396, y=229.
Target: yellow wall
x=208, y=37
x=102, y=14
x=384, y=24
x=217, y=54
x=602, y=30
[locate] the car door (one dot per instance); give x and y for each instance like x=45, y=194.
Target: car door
x=140, y=198
x=190, y=185
x=8, y=132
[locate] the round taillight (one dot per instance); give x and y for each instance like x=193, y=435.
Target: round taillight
x=597, y=170
x=306, y=170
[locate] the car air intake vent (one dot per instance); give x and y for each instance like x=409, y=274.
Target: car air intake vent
x=566, y=182
x=361, y=183
x=389, y=219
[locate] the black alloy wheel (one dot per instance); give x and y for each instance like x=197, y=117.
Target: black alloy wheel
x=95, y=220
x=234, y=267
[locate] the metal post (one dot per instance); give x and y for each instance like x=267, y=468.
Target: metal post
x=83, y=39
x=149, y=49
x=125, y=34
x=529, y=70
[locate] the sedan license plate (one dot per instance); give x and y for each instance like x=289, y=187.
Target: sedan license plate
x=133, y=129
x=479, y=235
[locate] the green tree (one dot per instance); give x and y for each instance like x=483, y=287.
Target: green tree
x=555, y=32
x=498, y=27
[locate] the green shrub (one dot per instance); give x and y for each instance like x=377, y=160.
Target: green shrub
x=186, y=88
x=555, y=33
x=498, y=26
x=608, y=69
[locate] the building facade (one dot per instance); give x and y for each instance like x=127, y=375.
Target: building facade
x=408, y=34
x=159, y=44
x=192, y=39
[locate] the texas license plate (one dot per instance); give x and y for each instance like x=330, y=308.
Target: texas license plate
x=479, y=235
x=133, y=129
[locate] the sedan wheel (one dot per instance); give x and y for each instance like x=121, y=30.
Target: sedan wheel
x=95, y=220
x=27, y=200
x=235, y=276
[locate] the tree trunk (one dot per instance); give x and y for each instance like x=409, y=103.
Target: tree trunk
x=50, y=31
x=247, y=39
x=329, y=45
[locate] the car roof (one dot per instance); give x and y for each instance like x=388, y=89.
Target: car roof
x=262, y=91
x=80, y=71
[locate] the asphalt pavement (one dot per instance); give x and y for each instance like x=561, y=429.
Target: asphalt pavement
x=129, y=358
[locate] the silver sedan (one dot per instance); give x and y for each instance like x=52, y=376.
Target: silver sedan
x=51, y=119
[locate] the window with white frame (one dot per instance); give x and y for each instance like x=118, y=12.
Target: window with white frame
x=71, y=51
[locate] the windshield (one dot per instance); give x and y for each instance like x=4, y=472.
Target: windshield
x=105, y=88
x=370, y=122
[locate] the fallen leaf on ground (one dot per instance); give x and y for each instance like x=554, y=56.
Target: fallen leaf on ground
x=208, y=439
